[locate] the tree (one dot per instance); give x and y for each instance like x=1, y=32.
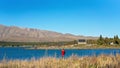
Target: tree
x=107, y=41
x=116, y=40
x=91, y=41
x=100, y=40
x=75, y=41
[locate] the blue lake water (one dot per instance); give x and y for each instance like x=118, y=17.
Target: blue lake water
x=11, y=53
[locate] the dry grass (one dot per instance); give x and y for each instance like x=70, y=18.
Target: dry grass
x=102, y=61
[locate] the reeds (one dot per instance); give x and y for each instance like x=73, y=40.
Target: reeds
x=102, y=61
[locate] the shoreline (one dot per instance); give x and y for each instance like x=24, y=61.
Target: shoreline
x=74, y=48
x=80, y=47
x=66, y=47
x=70, y=47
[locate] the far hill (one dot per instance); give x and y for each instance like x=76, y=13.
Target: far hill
x=18, y=34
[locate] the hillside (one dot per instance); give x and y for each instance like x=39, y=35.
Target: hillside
x=18, y=34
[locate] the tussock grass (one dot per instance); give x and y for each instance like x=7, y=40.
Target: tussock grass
x=102, y=61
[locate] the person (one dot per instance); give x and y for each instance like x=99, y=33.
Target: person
x=62, y=53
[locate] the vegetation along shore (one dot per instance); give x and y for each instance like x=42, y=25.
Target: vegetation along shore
x=100, y=43
x=102, y=61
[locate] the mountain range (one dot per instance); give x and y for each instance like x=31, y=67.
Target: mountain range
x=18, y=34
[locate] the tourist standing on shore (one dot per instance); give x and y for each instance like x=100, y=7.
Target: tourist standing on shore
x=62, y=53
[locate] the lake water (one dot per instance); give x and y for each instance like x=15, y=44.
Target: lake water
x=11, y=53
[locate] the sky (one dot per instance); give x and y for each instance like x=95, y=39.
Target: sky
x=78, y=17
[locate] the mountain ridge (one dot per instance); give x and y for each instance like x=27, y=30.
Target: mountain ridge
x=20, y=34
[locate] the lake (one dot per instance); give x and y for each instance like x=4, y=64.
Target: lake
x=12, y=53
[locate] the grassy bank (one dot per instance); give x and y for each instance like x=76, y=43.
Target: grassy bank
x=102, y=61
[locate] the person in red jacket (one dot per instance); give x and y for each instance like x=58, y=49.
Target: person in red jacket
x=62, y=52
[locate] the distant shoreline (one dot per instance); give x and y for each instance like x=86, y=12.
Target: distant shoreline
x=118, y=47
x=72, y=47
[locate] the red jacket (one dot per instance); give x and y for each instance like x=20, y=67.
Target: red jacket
x=63, y=52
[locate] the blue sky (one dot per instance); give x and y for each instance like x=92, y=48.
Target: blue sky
x=79, y=17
